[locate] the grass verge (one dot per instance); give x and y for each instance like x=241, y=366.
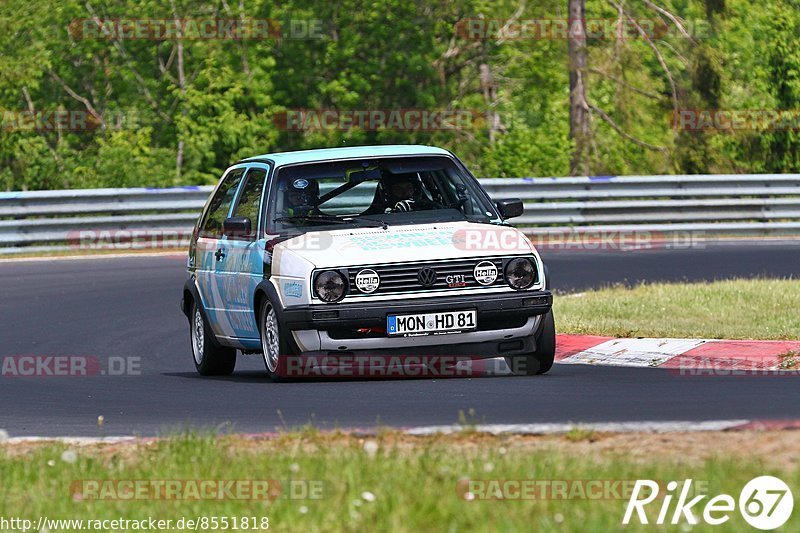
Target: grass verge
x=732, y=309
x=394, y=482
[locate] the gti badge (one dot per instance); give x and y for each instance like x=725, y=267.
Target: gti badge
x=485, y=272
x=456, y=280
x=367, y=280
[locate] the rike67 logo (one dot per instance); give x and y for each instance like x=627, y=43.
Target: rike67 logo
x=765, y=503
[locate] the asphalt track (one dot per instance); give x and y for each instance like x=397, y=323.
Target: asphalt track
x=128, y=308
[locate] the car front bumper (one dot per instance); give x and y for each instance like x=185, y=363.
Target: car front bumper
x=373, y=314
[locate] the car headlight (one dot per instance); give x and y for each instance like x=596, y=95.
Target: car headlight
x=520, y=273
x=330, y=286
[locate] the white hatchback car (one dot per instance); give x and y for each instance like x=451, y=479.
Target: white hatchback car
x=364, y=251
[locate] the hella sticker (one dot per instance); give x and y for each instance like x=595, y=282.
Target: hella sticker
x=485, y=273
x=367, y=280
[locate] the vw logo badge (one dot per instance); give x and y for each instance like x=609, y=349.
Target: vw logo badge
x=426, y=277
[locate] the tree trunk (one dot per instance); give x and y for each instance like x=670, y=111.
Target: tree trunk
x=182, y=86
x=578, y=107
x=489, y=89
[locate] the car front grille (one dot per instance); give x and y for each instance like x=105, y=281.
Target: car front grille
x=451, y=274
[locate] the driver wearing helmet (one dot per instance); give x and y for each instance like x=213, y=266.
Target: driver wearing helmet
x=404, y=193
x=301, y=197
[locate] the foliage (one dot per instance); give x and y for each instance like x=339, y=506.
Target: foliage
x=177, y=110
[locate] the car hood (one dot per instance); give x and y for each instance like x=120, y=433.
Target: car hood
x=370, y=246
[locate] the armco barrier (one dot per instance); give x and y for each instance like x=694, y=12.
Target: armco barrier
x=716, y=204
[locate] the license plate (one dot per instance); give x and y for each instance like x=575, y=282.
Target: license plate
x=431, y=323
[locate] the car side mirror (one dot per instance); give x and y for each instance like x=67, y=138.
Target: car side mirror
x=236, y=227
x=510, y=207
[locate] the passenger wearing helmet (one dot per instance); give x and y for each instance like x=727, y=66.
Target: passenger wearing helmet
x=404, y=193
x=301, y=197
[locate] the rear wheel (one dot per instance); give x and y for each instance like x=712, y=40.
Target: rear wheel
x=210, y=359
x=541, y=360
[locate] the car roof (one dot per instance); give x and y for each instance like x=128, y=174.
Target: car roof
x=349, y=152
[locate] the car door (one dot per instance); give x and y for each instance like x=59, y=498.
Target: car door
x=208, y=250
x=241, y=266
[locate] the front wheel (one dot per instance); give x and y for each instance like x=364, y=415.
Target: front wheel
x=273, y=344
x=541, y=360
x=210, y=359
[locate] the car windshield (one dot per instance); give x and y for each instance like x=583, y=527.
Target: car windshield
x=387, y=191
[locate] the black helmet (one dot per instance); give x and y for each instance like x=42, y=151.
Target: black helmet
x=391, y=181
x=302, y=191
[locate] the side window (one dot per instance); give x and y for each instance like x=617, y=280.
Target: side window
x=450, y=195
x=250, y=197
x=220, y=205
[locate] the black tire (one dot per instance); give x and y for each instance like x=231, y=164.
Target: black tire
x=210, y=359
x=541, y=360
x=273, y=338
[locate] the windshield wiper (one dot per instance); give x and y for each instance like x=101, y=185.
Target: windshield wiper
x=320, y=219
x=325, y=219
x=381, y=223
